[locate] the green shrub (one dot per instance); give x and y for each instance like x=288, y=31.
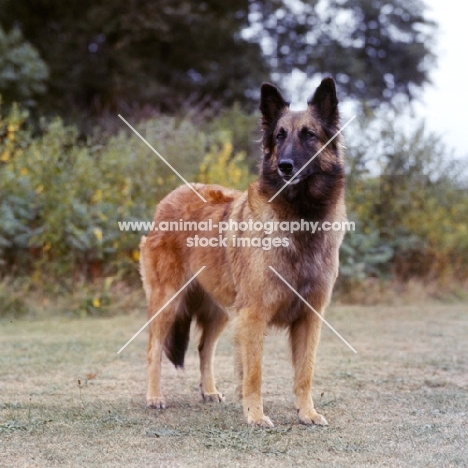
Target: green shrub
x=418, y=204
x=22, y=71
x=61, y=198
x=221, y=166
x=364, y=253
x=244, y=132
x=12, y=300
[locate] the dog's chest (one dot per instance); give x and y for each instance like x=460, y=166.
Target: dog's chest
x=310, y=272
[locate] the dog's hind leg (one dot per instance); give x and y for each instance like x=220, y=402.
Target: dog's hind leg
x=304, y=338
x=212, y=320
x=169, y=330
x=158, y=330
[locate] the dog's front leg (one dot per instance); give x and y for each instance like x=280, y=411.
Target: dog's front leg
x=304, y=336
x=250, y=333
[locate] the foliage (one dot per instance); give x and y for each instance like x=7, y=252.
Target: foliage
x=364, y=253
x=107, y=55
x=61, y=198
x=103, y=54
x=12, y=303
x=94, y=301
x=418, y=204
x=244, y=131
x=221, y=167
x=377, y=50
x=22, y=72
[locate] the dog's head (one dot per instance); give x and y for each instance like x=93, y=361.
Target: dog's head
x=291, y=139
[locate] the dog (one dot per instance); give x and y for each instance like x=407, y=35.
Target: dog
x=236, y=280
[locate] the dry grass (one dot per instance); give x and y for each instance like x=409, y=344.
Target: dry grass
x=374, y=291
x=401, y=401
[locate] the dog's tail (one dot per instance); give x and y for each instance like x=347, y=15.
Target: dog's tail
x=177, y=340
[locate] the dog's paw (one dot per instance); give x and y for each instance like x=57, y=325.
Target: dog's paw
x=264, y=422
x=156, y=403
x=213, y=397
x=311, y=417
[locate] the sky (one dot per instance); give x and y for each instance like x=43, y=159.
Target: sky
x=445, y=103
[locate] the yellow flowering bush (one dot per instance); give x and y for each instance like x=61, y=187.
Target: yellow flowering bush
x=61, y=198
x=221, y=166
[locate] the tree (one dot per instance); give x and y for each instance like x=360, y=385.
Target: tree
x=109, y=55
x=22, y=71
x=377, y=50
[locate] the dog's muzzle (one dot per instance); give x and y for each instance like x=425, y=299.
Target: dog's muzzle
x=287, y=170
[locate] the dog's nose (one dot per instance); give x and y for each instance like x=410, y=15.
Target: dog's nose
x=286, y=166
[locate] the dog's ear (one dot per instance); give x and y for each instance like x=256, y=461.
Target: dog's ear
x=325, y=102
x=272, y=104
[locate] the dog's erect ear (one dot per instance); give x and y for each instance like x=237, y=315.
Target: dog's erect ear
x=325, y=101
x=272, y=104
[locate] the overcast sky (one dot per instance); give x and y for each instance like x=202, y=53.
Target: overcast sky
x=445, y=103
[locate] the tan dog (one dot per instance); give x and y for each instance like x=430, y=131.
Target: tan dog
x=239, y=279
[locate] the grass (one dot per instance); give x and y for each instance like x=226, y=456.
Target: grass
x=68, y=399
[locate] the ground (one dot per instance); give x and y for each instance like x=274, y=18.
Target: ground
x=68, y=399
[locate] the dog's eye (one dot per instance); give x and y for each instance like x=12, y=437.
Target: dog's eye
x=310, y=134
x=281, y=135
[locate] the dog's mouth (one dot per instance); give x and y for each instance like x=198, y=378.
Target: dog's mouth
x=288, y=177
